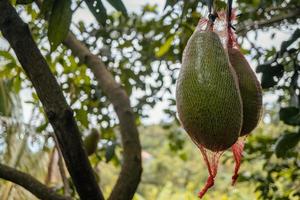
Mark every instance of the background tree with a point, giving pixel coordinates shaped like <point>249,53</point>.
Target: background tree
<point>111,72</point>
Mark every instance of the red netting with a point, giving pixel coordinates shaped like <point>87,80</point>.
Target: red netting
<point>212,162</point>
<point>225,32</point>
<point>237,150</point>
<point>238,147</point>
<point>202,24</point>
<point>211,158</point>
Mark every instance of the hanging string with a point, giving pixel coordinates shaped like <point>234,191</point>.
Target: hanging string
<point>209,5</point>
<point>230,33</point>
<point>229,13</point>
<point>211,16</point>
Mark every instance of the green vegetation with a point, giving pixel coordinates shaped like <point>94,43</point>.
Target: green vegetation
<point>180,173</point>
<point>112,71</point>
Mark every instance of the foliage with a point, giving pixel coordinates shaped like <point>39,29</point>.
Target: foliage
<point>59,22</point>
<point>143,52</point>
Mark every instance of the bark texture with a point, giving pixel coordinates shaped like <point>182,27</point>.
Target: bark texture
<point>29,183</point>
<point>58,111</point>
<point>130,174</point>
<point>131,170</point>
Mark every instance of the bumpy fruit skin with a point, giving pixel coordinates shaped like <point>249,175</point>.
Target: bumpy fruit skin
<point>250,89</point>
<point>208,98</point>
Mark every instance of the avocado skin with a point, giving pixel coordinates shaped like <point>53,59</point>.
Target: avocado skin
<point>208,99</point>
<point>250,89</point>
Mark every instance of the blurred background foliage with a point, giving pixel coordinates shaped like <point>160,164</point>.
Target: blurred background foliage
<point>143,51</point>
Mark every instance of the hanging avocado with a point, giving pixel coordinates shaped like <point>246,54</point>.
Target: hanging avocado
<point>250,89</point>
<point>207,94</point>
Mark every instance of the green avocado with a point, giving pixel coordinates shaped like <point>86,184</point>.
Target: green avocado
<point>250,89</point>
<point>208,99</point>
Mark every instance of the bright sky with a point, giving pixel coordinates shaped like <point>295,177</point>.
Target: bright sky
<point>156,114</point>
<point>131,5</point>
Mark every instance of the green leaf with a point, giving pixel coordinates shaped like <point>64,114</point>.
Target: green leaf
<point>59,22</point>
<point>13,2</point>
<point>47,8</point>
<point>267,81</point>
<point>5,100</point>
<point>91,142</point>
<point>24,2</point>
<point>119,6</point>
<point>220,5</point>
<point>17,84</point>
<point>82,116</point>
<point>290,116</point>
<point>285,143</point>
<point>110,152</point>
<point>7,55</point>
<point>165,47</point>
<point>98,10</point>
<point>41,128</point>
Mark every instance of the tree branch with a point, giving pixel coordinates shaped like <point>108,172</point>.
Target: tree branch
<point>131,171</point>
<point>58,112</point>
<point>29,183</point>
<point>268,22</point>
<point>130,174</point>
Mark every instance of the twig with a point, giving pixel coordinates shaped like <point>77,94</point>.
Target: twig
<point>50,167</point>
<point>78,6</point>
<point>59,113</point>
<point>269,22</point>
<point>61,167</point>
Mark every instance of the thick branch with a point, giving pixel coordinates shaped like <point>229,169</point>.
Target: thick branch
<point>129,177</point>
<point>58,112</point>
<point>268,22</point>
<point>29,183</point>
<point>131,171</point>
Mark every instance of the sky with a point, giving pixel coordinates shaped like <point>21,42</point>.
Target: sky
<point>131,6</point>
<point>156,114</point>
